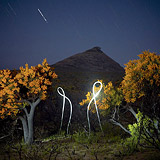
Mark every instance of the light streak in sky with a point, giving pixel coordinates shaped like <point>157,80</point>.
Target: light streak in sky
<point>94,99</point>
<point>12,9</point>
<point>42,15</point>
<point>64,97</point>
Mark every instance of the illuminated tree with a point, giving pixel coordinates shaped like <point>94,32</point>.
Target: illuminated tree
<point>142,83</point>
<point>109,96</point>
<point>109,99</point>
<point>140,86</point>
<point>21,92</point>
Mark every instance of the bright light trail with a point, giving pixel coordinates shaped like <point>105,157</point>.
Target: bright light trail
<point>94,99</point>
<point>64,97</point>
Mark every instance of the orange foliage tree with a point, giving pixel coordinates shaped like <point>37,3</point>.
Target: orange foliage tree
<point>22,91</point>
<point>140,85</point>
<point>142,82</point>
<point>109,96</point>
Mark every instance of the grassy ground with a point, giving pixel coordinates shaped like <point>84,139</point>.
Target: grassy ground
<point>76,147</point>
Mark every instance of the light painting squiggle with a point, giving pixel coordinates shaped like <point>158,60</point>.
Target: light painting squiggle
<point>64,97</point>
<point>94,98</point>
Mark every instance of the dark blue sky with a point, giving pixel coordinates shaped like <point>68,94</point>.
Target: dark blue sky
<point>122,28</point>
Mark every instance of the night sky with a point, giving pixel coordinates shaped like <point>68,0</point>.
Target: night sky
<point>31,30</point>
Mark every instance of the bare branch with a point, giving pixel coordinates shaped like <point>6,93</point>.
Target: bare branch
<point>114,114</point>
<point>133,112</point>
<point>27,102</point>
<point>26,112</point>
<point>5,136</point>
<point>37,102</point>
<point>21,118</point>
<point>118,124</point>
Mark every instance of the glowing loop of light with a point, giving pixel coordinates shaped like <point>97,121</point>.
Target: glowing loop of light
<point>64,97</point>
<point>94,98</point>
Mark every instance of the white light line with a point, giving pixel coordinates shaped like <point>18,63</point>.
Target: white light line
<point>64,97</point>
<point>42,15</point>
<point>94,98</point>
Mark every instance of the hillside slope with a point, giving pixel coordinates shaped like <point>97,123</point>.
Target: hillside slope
<point>76,76</point>
<point>91,60</point>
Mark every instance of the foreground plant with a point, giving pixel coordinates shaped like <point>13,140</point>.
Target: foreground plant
<point>21,91</point>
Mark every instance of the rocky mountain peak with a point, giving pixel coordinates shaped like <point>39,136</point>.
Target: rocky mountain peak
<point>95,49</point>
<point>92,60</point>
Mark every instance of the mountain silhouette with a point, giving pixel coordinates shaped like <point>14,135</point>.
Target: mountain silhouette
<point>77,73</point>
<point>92,60</point>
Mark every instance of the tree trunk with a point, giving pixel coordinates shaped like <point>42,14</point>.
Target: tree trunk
<point>30,129</point>
<point>25,128</point>
<point>30,121</point>
<point>27,122</point>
